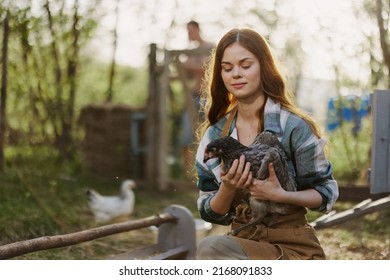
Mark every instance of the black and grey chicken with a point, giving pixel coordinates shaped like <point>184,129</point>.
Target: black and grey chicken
<point>265,149</point>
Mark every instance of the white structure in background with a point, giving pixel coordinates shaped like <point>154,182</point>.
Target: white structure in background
<point>313,96</point>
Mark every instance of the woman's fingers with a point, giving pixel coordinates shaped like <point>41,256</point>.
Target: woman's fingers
<point>239,173</point>
<point>232,171</point>
<point>271,170</point>
<point>240,167</point>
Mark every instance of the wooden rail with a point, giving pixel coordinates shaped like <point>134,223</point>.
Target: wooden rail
<point>365,207</point>
<point>176,237</point>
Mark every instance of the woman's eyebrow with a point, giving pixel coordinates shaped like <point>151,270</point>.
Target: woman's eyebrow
<point>240,61</point>
<point>225,63</point>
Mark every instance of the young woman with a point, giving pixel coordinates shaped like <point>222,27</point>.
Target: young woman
<point>245,95</point>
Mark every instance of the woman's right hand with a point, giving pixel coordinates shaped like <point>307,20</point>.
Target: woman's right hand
<point>238,176</point>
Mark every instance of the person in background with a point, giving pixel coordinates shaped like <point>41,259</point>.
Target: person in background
<point>194,67</point>
<point>246,94</point>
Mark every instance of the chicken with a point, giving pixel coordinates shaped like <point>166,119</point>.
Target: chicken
<point>106,208</point>
<point>265,149</point>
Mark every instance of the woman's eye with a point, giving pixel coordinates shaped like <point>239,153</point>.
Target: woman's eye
<point>246,66</point>
<point>227,69</point>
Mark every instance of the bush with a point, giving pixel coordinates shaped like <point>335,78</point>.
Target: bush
<point>350,153</point>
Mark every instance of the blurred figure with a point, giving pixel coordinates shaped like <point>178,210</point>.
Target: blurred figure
<point>195,71</point>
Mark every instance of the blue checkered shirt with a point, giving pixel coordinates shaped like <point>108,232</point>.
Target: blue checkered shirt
<point>305,152</point>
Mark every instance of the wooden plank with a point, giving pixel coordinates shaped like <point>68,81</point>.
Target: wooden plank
<point>380,166</point>
<point>153,252</point>
<point>139,253</point>
<point>173,254</point>
<point>365,207</point>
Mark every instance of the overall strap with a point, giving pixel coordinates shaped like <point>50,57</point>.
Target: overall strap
<point>228,124</point>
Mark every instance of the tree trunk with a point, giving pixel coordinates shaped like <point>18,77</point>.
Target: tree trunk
<point>65,138</point>
<point>3,98</point>
<point>111,76</point>
<point>64,107</point>
<point>58,106</point>
<point>383,33</point>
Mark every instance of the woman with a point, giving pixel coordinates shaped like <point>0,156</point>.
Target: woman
<point>246,95</point>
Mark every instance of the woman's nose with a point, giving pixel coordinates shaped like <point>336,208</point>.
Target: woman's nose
<point>237,73</point>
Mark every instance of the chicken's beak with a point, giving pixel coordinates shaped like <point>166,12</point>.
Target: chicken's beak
<point>208,155</point>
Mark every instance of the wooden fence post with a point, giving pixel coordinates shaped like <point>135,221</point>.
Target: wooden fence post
<point>156,165</point>
<point>380,153</point>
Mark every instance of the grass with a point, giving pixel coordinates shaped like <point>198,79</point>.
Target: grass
<point>365,238</point>
<point>350,153</point>
<point>41,196</point>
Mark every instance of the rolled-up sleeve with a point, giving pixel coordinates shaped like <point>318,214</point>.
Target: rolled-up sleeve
<point>207,214</point>
<point>208,187</point>
<point>208,179</point>
<point>313,170</point>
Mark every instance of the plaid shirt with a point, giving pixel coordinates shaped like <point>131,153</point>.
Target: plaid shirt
<point>305,152</point>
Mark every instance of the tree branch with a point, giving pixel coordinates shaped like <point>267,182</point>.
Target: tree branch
<point>49,242</point>
<point>383,33</point>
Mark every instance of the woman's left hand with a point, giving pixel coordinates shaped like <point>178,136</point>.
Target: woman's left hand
<point>268,189</point>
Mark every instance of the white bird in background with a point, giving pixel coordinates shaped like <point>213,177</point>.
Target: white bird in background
<point>106,208</point>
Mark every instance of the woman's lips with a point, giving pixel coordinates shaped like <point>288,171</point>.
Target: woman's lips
<point>238,85</point>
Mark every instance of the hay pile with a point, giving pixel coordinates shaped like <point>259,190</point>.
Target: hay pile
<point>106,146</point>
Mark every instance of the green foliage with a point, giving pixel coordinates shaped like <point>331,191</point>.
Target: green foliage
<point>130,85</point>
<point>350,153</point>
<point>22,217</point>
<point>43,63</point>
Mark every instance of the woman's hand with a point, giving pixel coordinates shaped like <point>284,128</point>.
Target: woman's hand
<point>268,189</point>
<point>238,176</point>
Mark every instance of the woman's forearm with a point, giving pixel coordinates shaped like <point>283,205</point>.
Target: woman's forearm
<point>222,200</point>
<point>309,198</point>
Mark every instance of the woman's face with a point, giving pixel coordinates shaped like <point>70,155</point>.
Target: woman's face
<point>241,72</point>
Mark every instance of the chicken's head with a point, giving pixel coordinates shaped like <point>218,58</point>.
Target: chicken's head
<point>220,148</point>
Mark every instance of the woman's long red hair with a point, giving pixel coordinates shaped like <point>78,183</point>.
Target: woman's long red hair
<point>219,101</point>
